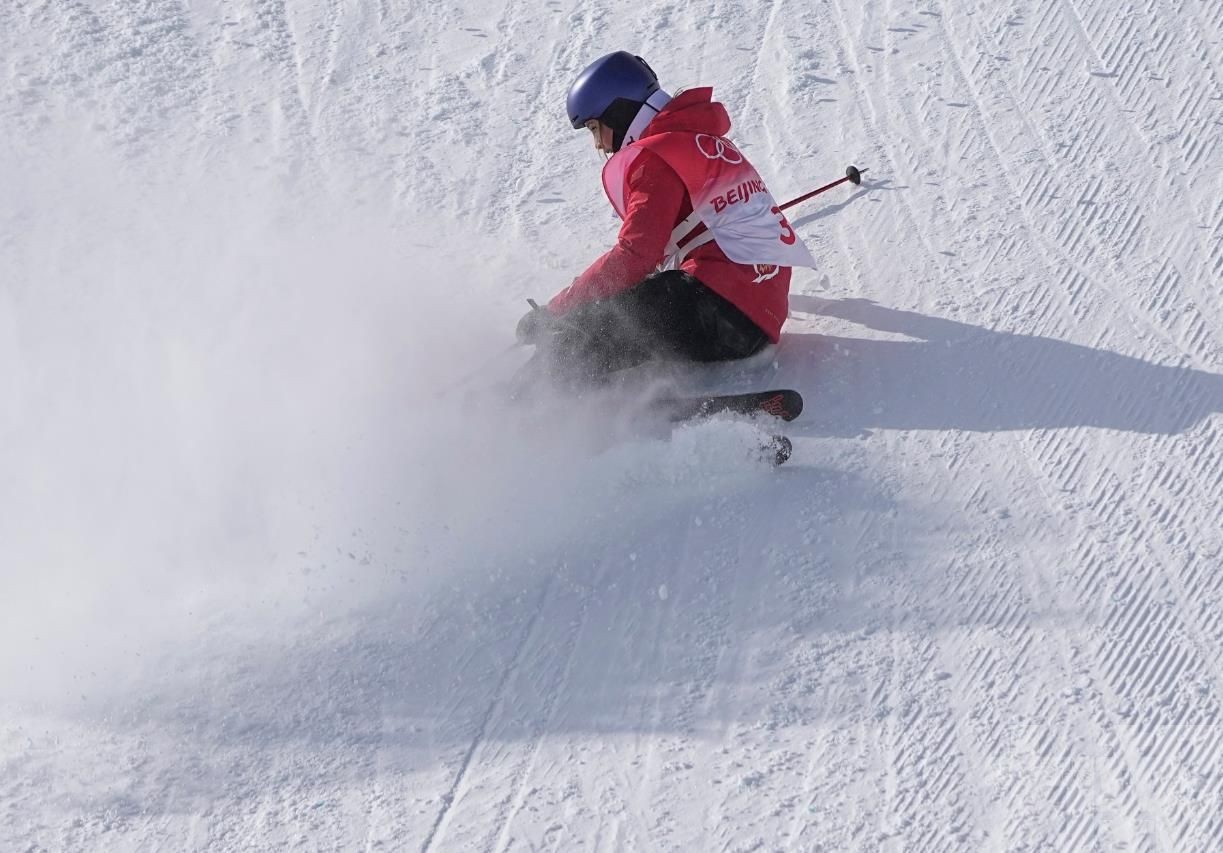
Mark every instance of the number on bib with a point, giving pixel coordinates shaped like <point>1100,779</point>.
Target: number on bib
<point>787,233</point>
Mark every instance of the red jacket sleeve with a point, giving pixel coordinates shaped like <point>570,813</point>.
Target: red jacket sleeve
<point>654,200</point>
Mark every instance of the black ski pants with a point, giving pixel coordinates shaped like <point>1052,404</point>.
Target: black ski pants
<point>668,316</point>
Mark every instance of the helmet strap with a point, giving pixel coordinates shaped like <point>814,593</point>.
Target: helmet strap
<point>652,107</point>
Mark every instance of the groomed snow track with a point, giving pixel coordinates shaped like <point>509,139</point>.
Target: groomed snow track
<point>981,608</point>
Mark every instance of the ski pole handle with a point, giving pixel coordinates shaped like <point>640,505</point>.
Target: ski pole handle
<point>853,174</point>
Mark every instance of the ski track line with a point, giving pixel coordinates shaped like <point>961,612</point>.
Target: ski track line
<point>805,59</point>
<point>1121,235</point>
<point>1105,730</point>
<point>492,74</point>
<point>641,819</point>
<point>707,613</point>
<point>300,62</point>
<point>1126,228</point>
<point>527,194</point>
<point>924,786</point>
<point>724,665</point>
<point>819,761</point>
<point>706,619</point>
<point>274,37</point>
<point>1071,231</point>
<point>947,731</point>
<point>331,70</point>
<point>766,46</point>
<point>918,129</point>
<point>449,798</point>
<point>1075,838</point>
<point>1080,26</point>
<point>930,802</point>
<point>496,829</point>
<point>447,111</point>
<point>1165,664</point>
<point>999,604</point>
<point>650,710</point>
<point>785,151</point>
<point>517,796</point>
<point>867,109</point>
<point>1036,238</point>
<point>689,640</point>
<point>539,180</point>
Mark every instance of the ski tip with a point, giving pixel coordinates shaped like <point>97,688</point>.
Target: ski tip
<point>794,407</point>
<point>785,404</point>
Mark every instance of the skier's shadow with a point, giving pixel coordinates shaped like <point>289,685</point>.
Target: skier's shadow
<point>954,376</point>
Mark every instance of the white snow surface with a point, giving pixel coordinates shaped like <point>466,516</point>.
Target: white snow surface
<point>263,588</point>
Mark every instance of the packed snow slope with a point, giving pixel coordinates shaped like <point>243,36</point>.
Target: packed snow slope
<point>263,587</point>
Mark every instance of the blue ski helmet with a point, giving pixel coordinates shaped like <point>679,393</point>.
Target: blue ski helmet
<point>612,89</point>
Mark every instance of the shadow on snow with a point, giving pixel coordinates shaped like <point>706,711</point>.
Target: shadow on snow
<point>954,376</point>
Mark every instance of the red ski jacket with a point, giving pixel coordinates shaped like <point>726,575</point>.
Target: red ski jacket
<point>656,201</point>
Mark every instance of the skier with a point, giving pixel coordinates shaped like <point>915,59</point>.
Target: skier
<point>701,268</point>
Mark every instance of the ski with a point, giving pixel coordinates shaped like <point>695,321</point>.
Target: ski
<point>784,403</point>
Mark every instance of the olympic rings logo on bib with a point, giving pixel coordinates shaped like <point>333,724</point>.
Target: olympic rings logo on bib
<point>716,148</point>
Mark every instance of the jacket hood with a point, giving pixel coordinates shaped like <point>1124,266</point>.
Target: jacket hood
<point>693,111</point>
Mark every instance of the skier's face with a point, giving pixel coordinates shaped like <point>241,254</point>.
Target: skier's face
<point>602,136</point>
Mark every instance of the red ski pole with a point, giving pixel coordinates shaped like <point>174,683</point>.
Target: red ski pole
<point>853,174</point>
